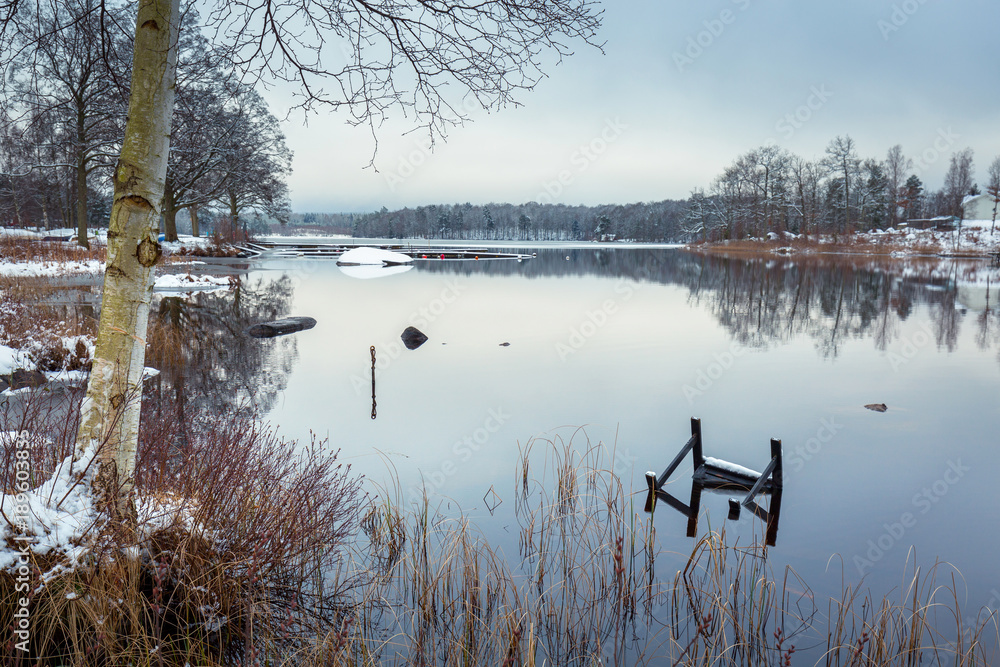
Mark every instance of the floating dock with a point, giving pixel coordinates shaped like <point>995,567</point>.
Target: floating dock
<point>335,250</point>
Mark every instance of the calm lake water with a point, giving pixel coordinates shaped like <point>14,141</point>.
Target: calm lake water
<point>630,343</point>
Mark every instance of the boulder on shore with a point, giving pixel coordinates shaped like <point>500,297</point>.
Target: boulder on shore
<point>413,338</point>
<point>280,327</point>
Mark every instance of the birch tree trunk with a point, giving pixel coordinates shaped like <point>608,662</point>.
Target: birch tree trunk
<point>109,418</point>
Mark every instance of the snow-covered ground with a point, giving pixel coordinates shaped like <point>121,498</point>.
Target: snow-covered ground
<point>52,269</point>
<point>25,352</point>
<point>976,237</point>
<point>188,282</point>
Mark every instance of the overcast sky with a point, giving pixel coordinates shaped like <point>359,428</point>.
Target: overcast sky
<point>682,89</point>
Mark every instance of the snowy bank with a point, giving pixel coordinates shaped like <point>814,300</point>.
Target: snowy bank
<point>187,282</point>
<point>50,269</point>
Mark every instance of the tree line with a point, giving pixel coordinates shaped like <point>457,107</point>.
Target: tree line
<point>771,190</point>
<point>654,221</point>
<point>765,190</point>
<point>65,101</point>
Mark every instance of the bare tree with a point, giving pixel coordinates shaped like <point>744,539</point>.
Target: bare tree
<point>842,159</point>
<point>993,189</point>
<point>958,181</point>
<point>253,162</point>
<point>68,78</point>
<point>807,176</point>
<point>897,167</point>
<point>409,53</point>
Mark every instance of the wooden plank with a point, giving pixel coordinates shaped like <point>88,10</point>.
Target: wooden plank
<point>673,502</point>
<point>762,480</point>
<point>713,477</point>
<point>662,479</point>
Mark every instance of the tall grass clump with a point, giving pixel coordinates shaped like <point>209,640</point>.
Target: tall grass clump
<point>229,562</point>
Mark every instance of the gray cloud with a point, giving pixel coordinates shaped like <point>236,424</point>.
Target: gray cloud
<point>895,72</point>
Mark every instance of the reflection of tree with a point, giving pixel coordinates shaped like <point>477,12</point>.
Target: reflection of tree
<point>829,300</point>
<point>988,322</point>
<point>206,362</point>
<point>766,299</point>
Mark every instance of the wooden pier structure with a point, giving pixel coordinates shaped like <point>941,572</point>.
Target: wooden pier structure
<point>335,250</point>
<point>721,476</point>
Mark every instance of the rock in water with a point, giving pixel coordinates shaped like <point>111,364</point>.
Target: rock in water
<point>280,327</point>
<point>413,338</point>
<point>877,407</point>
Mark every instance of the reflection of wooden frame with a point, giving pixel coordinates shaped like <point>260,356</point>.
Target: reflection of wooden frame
<point>721,476</point>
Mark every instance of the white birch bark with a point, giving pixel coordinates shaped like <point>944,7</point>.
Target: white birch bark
<point>109,417</point>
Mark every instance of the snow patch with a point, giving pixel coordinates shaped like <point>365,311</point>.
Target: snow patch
<point>730,467</point>
<point>187,282</point>
<point>372,256</point>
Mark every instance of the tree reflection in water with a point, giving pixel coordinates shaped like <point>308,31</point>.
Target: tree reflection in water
<point>766,299</point>
<point>206,362</point>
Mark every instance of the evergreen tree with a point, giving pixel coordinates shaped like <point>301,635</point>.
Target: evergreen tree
<point>488,219</point>
<point>912,198</point>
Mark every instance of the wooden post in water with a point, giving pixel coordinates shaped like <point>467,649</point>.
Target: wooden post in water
<point>776,481</point>
<point>698,455</point>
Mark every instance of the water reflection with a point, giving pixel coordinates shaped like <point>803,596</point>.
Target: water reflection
<point>206,360</point>
<point>764,300</point>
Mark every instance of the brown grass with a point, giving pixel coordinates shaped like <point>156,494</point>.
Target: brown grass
<point>845,245</point>
<point>17,249</point>
<point>230,562</point>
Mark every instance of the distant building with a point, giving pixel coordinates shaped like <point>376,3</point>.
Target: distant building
<point>942,223</point>
<point>978,207</point>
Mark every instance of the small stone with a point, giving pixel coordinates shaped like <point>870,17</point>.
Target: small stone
<point>877,407</point>
<point>413,338</point>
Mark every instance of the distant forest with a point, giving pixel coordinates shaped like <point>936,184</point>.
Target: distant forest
<point>765,190</point>
<point>660,221</point>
